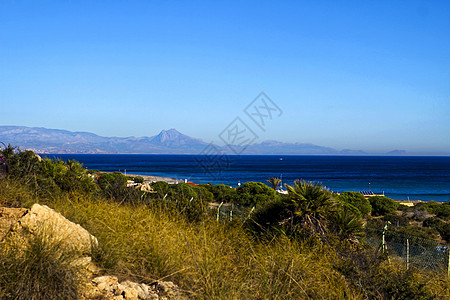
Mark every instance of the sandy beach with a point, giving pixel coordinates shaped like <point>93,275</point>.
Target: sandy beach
<point>152,178</point>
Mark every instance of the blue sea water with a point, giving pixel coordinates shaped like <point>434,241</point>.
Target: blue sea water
<point>402,178</point>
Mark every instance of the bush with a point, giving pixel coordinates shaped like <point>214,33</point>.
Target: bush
<point>113,186</point>
<point>382,205</point>
<point>222,192</point>
<point>433,222</point>
<point>190,201</point>
<point>161,188</point>
<point>267,219</point>
<point>23,165</point>
<point>444,231</point>
<point>138,179</point>
<point>396,220</point>
<point>443,211</point>
<point>254,193</point>
<point>357,200</point>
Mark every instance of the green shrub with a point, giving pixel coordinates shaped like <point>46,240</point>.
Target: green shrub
<point>189,200</point>
<point>113,186</point>
<point>444,231</point>
<point>138,179</point>
<point>23,165</point>
<point>433,222</point>
<point>382,205</point>
<point>443,211</point>
<point>161,188</point>
<point>267,219</point>
<point>357,200</point>
<point>222,192</point>
<point>254,193</point>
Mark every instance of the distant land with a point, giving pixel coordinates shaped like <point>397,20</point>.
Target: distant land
<point>56,141</point>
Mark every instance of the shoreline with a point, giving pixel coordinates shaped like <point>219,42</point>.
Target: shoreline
<point>149,178</point>
<point>170,180</point>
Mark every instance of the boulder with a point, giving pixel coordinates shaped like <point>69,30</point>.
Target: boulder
<point>41,218</point>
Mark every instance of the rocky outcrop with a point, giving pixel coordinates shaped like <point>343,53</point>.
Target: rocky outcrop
<point>43,219</point>
<point>109,287</point>
<point>8,217</point>
<point>18,225</point>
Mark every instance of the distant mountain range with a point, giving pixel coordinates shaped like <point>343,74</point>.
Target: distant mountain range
<point>53,141</point>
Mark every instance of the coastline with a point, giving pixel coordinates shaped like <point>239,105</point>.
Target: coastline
<point>149,178</point>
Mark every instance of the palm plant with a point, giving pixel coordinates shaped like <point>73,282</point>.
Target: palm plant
<point>346,225</point>
<point>274,182</point>
<point>311,202</point>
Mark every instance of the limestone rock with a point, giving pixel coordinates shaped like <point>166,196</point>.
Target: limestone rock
<point>9,216</point>
<point>109,287</point>
<point>40,217</point>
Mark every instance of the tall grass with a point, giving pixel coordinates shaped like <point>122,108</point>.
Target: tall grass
<point>38,269</point>
<point>208,259</point>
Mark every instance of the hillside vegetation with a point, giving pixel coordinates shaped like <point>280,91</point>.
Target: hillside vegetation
<point>309,243</point>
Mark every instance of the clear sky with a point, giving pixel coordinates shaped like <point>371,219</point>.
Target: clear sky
<point>370,75</point>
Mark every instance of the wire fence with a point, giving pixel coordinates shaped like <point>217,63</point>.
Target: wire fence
<point>412,251</point>
<point>230,212</point>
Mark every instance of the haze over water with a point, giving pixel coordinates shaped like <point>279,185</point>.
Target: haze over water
<point>416,178</point>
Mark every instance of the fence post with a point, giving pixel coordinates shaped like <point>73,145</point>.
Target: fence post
<point>218,211</point>
<point>448,267</point>
<point>407,254</point>
<point>231,212</point>
<point>383,241</point>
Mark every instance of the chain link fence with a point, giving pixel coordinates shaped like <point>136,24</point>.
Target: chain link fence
<point>412,251</point>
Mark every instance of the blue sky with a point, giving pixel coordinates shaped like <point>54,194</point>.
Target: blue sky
<point>370,75</point>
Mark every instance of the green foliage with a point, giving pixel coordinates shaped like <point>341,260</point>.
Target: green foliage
<point>357,200</point>
<point>430,206</point>
<point>345,224</point>
<point>39,271</point>
<point>222,192</point>
<point>113,186</point>
<point>382,205</point>
<point>138,179</point>
<point>272,218</point>
<point>69,176</point>
<point>397,220</point>
<point>274,182</point>
<point>444,231</point>
<point>416,231</point>
<point>23,164</point>
<point>190,201</point>
<point>254,193</point>
<point>433,222</point>
<point>443,211</point>
<point>161,188</point>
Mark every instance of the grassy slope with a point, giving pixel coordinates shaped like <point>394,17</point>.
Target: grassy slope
<point>208,260</point>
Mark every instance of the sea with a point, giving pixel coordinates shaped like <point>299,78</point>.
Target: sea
<point>398,177</point>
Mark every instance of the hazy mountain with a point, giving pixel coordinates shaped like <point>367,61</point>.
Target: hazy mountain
<point>43,140</point>
<point>271,147</point>
<point>396,152</point>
